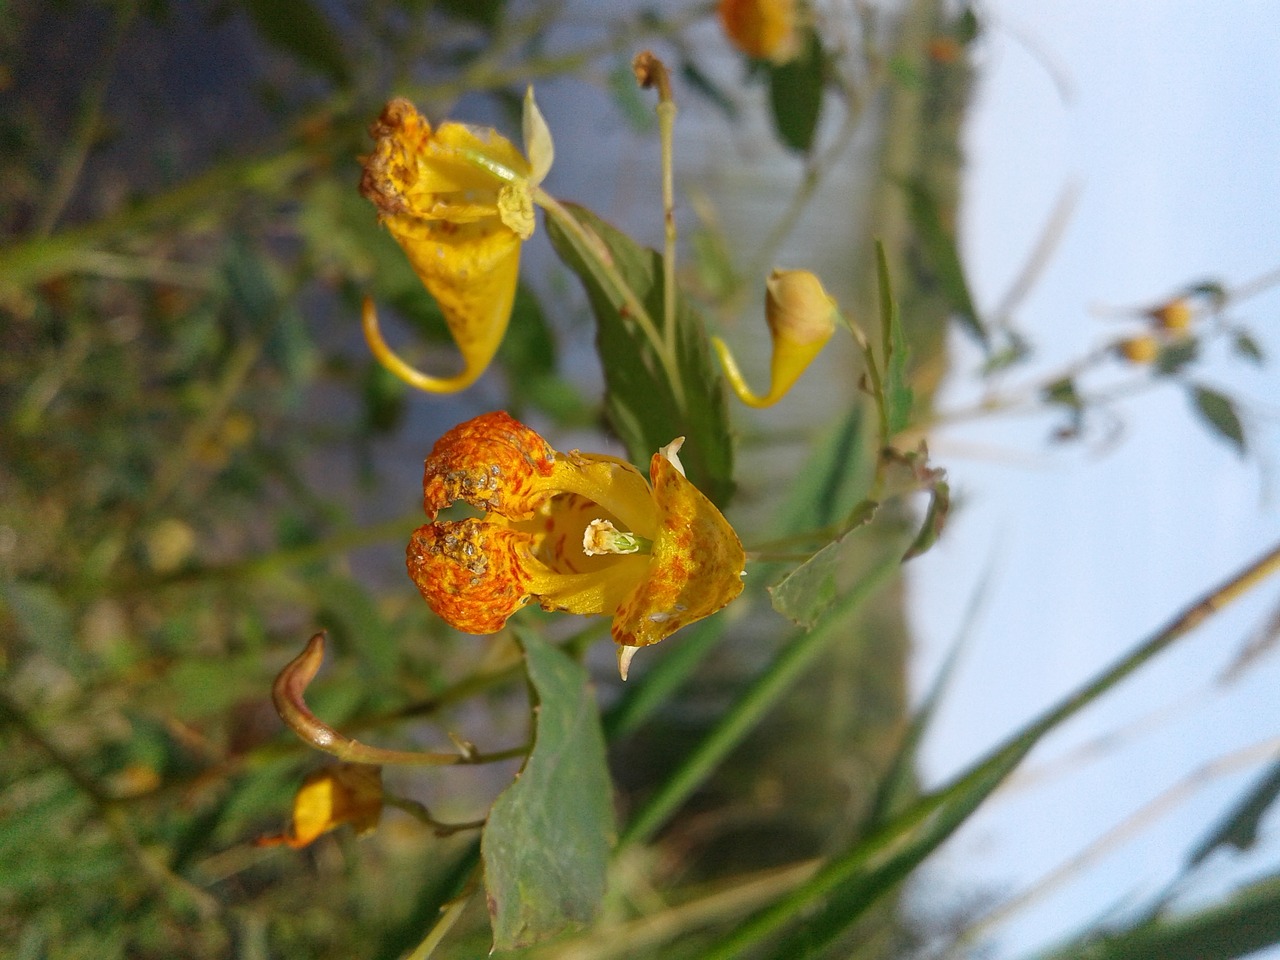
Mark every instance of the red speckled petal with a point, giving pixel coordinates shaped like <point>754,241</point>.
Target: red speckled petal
<point>493,462</point>
<point>472,573</point>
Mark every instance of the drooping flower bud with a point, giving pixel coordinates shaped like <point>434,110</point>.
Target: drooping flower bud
<point>801,317</point>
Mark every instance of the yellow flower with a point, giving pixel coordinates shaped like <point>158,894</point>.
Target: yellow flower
<point>578,532</point>
<point>801,318</point>
<point>1174,317</point>
<point>329,797</point>
<point>1139,350</point>
<point>764,29</point>
<point>459,201</point>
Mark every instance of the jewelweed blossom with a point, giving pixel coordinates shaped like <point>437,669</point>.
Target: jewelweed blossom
<point>802,318</point>
<point>578,532</point>
<point>764,29</point>
<point>459,201</point>
<point>328,798</point>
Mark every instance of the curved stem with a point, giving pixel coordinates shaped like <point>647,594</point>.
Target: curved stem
<point>287,695</point>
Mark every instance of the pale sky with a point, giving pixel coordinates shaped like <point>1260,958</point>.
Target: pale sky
<point>1167,115</point>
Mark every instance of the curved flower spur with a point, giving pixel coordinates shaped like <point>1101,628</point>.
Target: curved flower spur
<point>578,532</point>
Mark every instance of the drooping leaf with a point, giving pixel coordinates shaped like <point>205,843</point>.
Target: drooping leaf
<point>1244,922</point>
<point>298,28</point>
<point>898,396</point>
<point>641,402</point>
<point>701,83</point>
<point>546,845</point>
<point>1219,412</point>
<point>795,94</point>
<point>1175,356</point>
<point>939,243</point>
<point>806,593</point>
<point>935,518</point>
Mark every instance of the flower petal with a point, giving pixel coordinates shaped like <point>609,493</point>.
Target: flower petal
<point>538,145</point>
<point>493,462</point>
<point>695,567</point>
<point>472,573</point>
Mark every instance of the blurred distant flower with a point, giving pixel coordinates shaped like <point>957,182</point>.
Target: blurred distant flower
<point>459,201</point>
<point>801,318</point>
<point>764,29</point>
<point>1140,350</point>
<point>582,533</point>
<point>329,797</point>
<point>1173,317</point>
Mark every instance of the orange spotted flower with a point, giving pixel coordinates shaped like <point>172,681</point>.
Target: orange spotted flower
<point>459,201</point>
<point>328,798</point>
<point>578,532</point>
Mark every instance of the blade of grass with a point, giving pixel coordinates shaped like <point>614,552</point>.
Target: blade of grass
<point>787,668</point>
<point>851,882</point>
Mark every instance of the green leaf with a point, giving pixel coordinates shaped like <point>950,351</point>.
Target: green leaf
<point>701,83</point>
<point>1177,355</point>
<point>298,28</point>
<point>546,845</point>
<point>795,94</point>
<point>640,401</point>
<point>806,593</point>
<point>940,249</point>
<point>41,616</point>
<point>1245,346</point>
<point>898,396</point>
<point>1219,412</point>
<point>1239,828</point>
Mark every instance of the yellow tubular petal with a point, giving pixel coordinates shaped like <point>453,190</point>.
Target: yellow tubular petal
<point>472,270</point>
<point>694,569</point>
<point>409,374</point>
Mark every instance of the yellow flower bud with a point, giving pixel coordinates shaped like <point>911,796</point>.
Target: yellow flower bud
<point>802,318</point>
<point>329,797</point>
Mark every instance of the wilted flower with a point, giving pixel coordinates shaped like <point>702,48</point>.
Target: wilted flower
<point>459,201</point>
<point>801,318</point>
<point>578,532</point>
<point>764,29</point>
<point>329,797</point>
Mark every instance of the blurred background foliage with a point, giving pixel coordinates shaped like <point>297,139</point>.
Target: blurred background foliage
<point>201,466</point>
